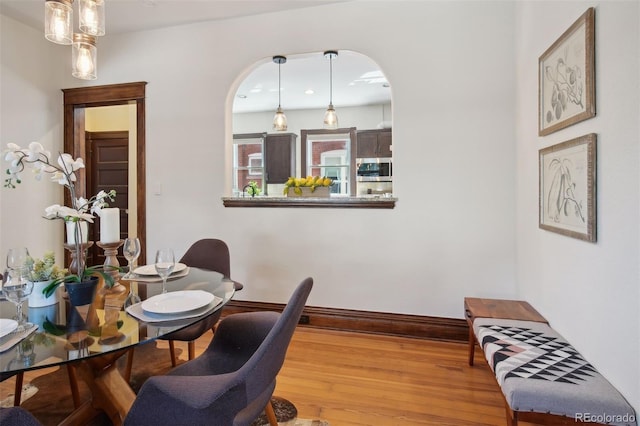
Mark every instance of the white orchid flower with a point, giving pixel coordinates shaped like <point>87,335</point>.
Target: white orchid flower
<point>35,151</point>
<point>13,157</point>
<point>40,168</point>
<point>59,177</point>
<point>82,204</point>
<point>57,211</point>
<point>13,147</point>
<point>51,212</point>
<point>68,164</point>
<point>99,202</point>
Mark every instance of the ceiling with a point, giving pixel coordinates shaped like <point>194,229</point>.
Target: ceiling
<point>357,80</point>
<point>125,16</point>
<point>351,86</point>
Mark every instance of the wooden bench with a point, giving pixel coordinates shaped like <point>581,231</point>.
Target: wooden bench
<point>543,379</point>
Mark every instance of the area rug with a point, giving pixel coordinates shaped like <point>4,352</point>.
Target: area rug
<point>48,397</point>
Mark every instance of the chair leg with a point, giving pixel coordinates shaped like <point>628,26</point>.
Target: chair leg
<point>172,352</point>
<point>192,349</point>
<point>18,391</point>
<point>271,415</point>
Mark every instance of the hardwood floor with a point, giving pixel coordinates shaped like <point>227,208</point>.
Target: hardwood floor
<point>365,379</point>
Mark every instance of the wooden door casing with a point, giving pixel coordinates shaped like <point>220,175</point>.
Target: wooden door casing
<point>75,102</point>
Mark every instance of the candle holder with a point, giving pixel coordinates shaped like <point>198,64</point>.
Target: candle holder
<point>73,267</point>
<point>111,264</point>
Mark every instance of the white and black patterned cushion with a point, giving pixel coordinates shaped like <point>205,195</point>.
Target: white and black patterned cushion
<point>538,370</point>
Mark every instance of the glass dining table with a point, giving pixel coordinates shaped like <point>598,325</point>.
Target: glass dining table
<point>90,339</point>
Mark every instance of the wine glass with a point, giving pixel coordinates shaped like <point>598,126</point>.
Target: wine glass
<point>131,251</point>
<point>17,257</point>
<point>165,262</point>
<point>17,289</point>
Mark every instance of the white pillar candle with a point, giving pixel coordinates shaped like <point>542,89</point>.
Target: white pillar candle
<point>71,232</point>
<point>110,225</point>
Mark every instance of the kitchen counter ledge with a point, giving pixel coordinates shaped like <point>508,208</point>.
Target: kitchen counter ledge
<point>331,202</point>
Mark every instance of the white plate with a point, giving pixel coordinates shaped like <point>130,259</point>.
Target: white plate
<point>137,311</point>
<point>7,326</point>
<point>151,269</point>
<point>176,302</point>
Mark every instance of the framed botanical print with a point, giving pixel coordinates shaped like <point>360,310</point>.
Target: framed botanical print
<point>567,194</point>
<point>566,75</point>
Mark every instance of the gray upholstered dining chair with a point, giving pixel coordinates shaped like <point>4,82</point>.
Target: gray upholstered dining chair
<point>232,382</point>
<point>211,254</point>
<point>17,416</point>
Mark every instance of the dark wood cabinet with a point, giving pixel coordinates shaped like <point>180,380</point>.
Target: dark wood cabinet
<point>373,143</point>
<point>279,157</point>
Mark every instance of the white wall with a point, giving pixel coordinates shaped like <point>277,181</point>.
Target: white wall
<point>452,231</point>
<point>30,110</point>
<point>589,292</point>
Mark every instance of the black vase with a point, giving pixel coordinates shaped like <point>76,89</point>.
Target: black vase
<point>82,293</point>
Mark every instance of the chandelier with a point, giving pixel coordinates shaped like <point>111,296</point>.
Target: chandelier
<point>58,28</point>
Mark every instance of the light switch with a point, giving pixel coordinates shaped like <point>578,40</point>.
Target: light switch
<point>157,189</point>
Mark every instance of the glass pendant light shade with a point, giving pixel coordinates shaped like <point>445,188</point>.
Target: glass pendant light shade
<point>330,117</point>
<point>92,17</point>
<point>279,120</point>
<point>58,21</point>
<point>84,58</point>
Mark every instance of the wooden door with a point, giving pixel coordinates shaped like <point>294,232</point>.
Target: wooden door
<point>108,168</point>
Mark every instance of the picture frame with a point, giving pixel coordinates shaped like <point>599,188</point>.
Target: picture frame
<point>566,77</point>
<point>567,188</point>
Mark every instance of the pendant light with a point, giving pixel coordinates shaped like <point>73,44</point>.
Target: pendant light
<point>84,57</point>
<point>58,21</point>
<point>330,117</point>
<point>279,120</point>
<point>92,17</point>
<point>58,28</point>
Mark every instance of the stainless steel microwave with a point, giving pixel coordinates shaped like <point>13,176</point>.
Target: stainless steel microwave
<point>374,169</point>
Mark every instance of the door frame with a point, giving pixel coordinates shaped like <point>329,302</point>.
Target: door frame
<point>75,102</point>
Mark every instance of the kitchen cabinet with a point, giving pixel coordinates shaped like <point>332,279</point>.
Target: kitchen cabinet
<point>373,143</point>
<point>279,157</point>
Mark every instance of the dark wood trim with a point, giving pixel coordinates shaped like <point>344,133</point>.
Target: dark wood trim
<point>425,327</point>
<point>337,202</point>
<point>112,94</point>
<point>75,102</point>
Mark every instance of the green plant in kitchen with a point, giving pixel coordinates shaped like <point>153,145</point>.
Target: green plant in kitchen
<point>311,182</point>
<point>253,189</point>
